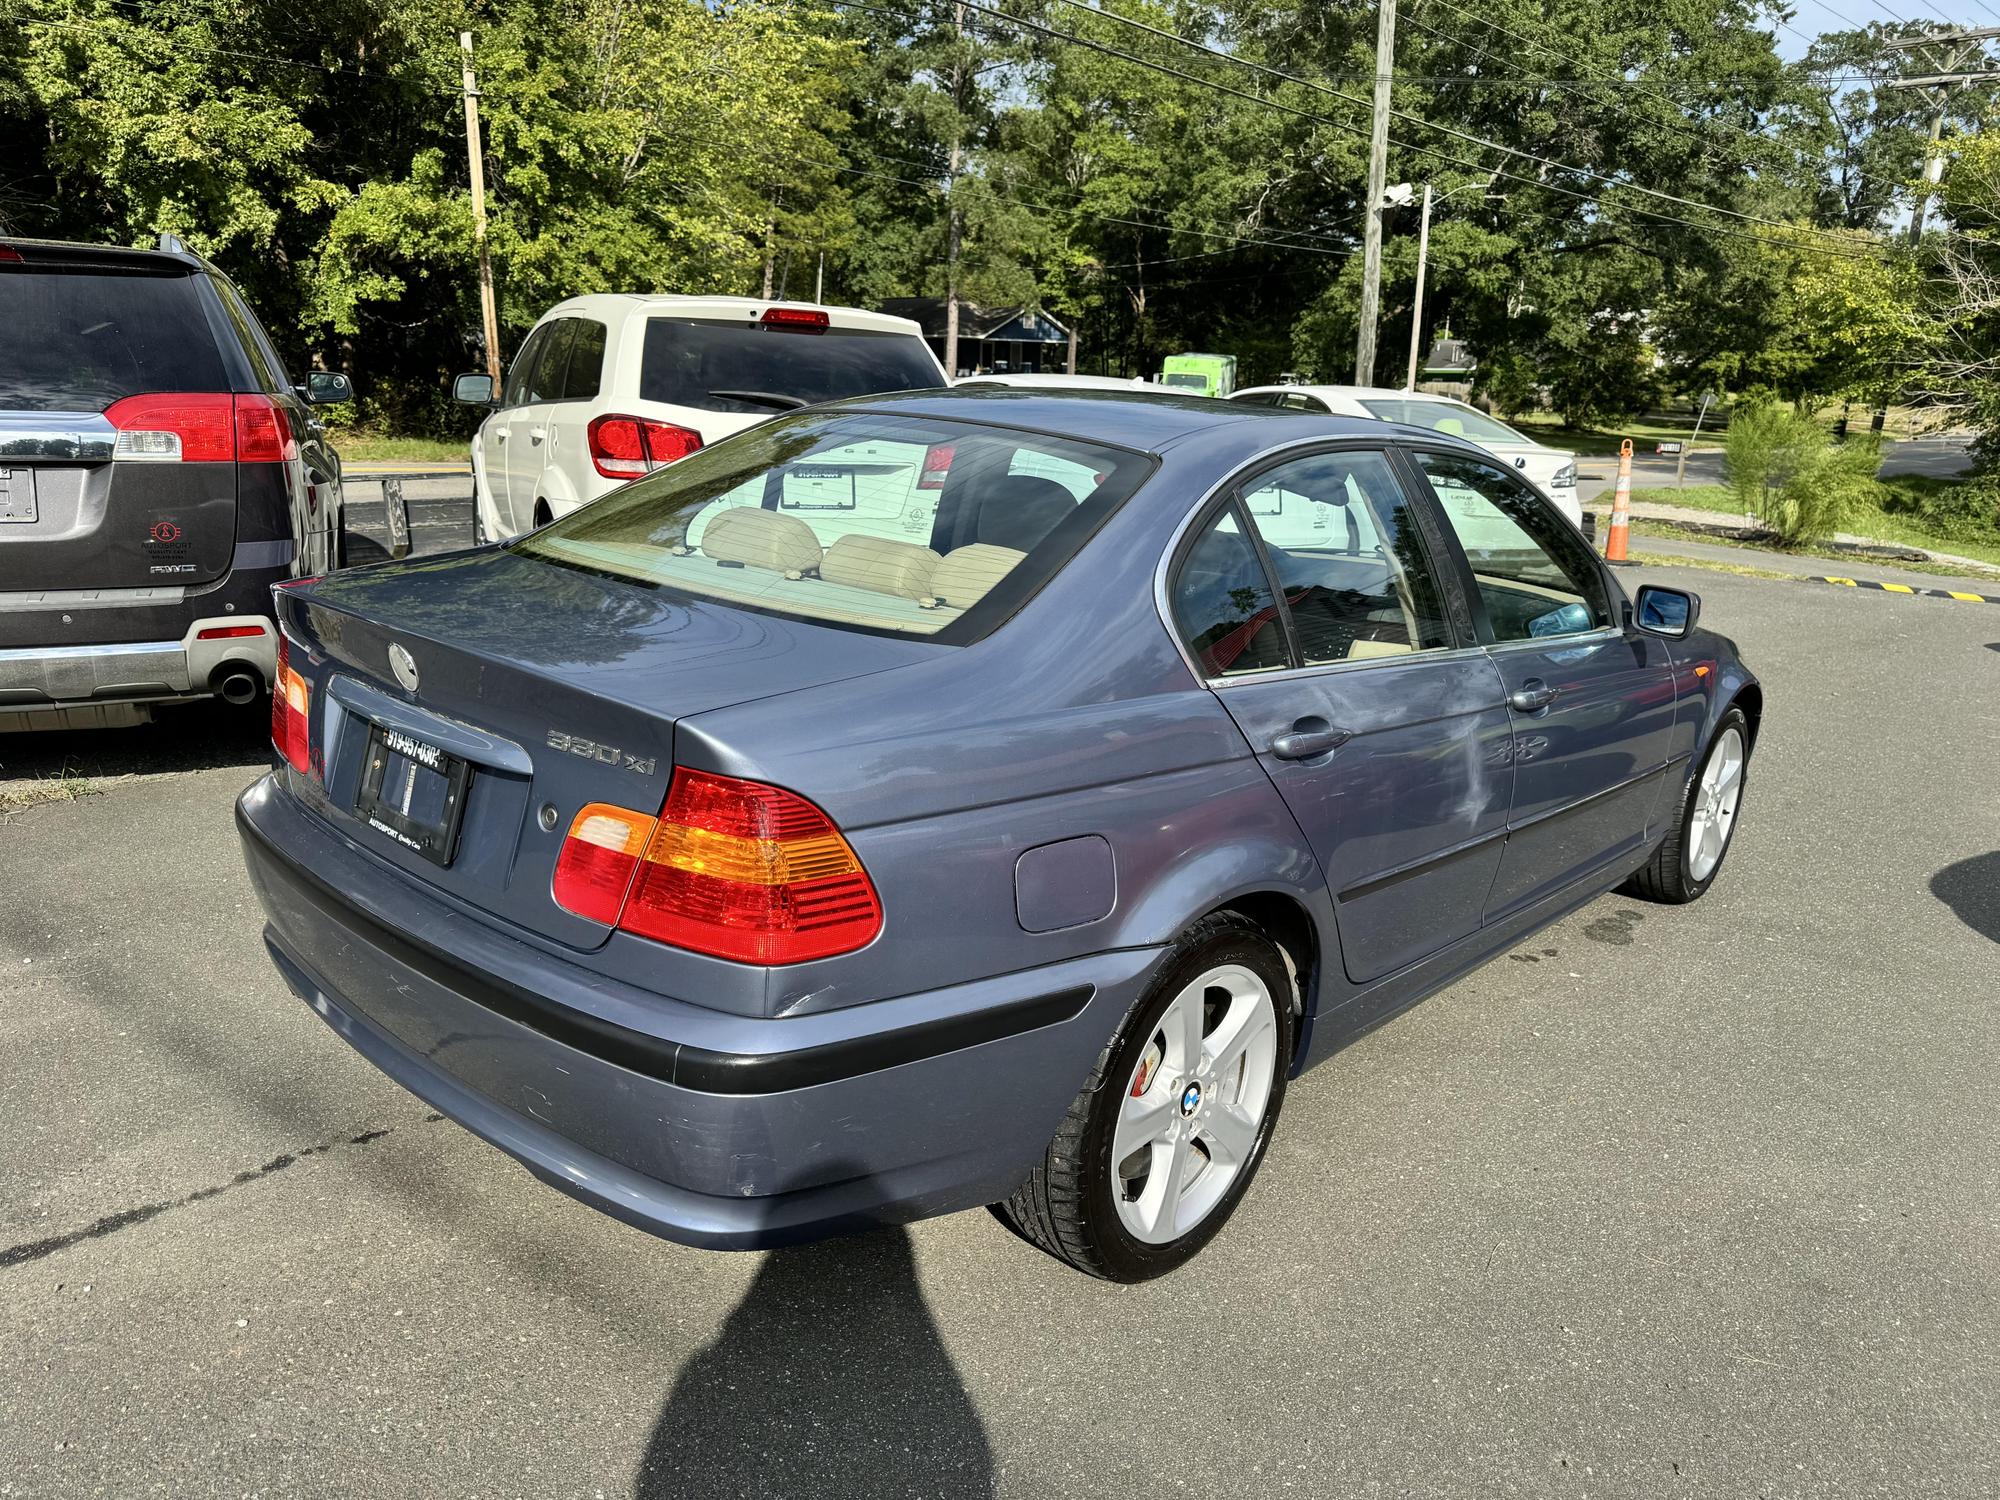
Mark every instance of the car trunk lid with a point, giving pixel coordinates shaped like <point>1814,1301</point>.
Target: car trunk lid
<point>555,688</point>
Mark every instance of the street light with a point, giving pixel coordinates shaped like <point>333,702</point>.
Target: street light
<point>1423,256</point>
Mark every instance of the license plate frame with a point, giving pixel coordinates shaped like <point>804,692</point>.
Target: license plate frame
<point>17,496</point>
<point>389,782</point>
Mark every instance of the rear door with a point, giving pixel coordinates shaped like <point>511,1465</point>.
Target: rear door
<point>572,402</point>
<point>1592,700</point>
<point>94,342</point>
<point>1377,719</point>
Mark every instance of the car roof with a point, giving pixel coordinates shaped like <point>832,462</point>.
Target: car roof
<point>75,253</point>
<point>1026,381</point>
<point>748,309</point>
<point>1150,421</point>
<point>1351,392</point>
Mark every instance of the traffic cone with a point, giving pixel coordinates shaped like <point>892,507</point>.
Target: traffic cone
<point>1621,507</point>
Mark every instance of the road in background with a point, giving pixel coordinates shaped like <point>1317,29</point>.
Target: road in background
<point>1937,457</point>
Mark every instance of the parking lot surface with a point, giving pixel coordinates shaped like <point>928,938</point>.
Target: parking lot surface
<point>1696,1201</point>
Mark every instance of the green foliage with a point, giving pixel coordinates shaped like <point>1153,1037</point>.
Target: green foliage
<point>1785,469</point>
<point>1961,511</point>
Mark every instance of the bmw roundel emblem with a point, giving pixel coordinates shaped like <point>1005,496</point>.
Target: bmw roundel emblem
<point>1190,1099</point>
<point>404,666</point>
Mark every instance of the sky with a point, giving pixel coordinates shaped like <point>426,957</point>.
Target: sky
<point>1816,16</point>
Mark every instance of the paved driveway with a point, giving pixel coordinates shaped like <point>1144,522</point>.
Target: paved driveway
<point>1669,1202</point>
<point>1939,457</point>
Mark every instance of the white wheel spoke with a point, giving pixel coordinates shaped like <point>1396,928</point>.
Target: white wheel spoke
<point>1245,1022</point>
<point>1231,1134</point>
<point>1187,1164</point>
<point>1143,1121</point>
<point>1183,1029</point>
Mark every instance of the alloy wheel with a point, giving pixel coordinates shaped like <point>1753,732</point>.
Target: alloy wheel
<point>1713,817</point>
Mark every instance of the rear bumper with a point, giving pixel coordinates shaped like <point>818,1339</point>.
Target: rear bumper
<point>58,676</point>
<point>701,1126</point>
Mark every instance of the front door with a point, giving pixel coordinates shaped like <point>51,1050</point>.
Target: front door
<point>521,427</point>
<point>1592,700</point>
<point>1312,605</point>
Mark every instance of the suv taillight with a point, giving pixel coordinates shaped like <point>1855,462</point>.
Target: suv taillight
<point>198,427</point>
<point>937,465</point>
<point>731,868</point>
<point>626,447</point>
<point>291,712</point>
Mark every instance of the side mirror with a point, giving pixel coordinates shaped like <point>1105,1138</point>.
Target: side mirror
<point>328,388</point>
<point>474,390</point>
<point>1668,612</point>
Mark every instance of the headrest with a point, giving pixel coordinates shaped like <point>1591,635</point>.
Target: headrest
<point>886,567</point>
<point>1019,510</point>
<point>761,539</point>
<point>966,574</point>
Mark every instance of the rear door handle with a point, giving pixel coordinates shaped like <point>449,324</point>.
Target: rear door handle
<point>535,435</point>
<point>1309,737</point>
<point>1533,695</point>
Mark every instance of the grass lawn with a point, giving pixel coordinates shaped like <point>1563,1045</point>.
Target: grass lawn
<point>372,448</point>
<point>1592,443</point>
<point>1871,528</point>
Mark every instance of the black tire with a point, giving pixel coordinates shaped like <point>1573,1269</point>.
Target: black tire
<point>543,515</point>
<point>1066,1205</point>
<point>1668,877</point>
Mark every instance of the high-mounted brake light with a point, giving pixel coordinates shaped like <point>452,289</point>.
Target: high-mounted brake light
<point>201,427</point>
<point>731,868</point>
<point>937,465</point>
<point>291,712</point>
<point>9,253</point>
<point>627,447</point>
<point>799,319</point>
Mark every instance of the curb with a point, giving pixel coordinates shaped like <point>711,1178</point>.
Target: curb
<point>1904,588</point>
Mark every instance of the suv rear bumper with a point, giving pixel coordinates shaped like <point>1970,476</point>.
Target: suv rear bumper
<point>52,677</point>
<point>701,1126</point>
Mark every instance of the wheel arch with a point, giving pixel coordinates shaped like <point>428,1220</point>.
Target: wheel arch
<point>1750,698</point>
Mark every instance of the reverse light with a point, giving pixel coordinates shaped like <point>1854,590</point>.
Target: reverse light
<point>798,319</point>
<point>937,465</point>
<point>731,868</point>
<point>180,428</point>
<point>627,447</point>
<point>291,712</point>
<point>600,854</point>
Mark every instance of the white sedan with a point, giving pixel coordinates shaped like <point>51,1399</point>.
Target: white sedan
<point>1550,470</point>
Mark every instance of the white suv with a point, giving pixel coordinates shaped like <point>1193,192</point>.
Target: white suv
<point>611,386</point>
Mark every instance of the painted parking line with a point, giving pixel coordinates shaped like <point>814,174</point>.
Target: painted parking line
<point>1904,588</point>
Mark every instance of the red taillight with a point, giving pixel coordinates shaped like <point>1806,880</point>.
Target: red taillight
<point>9,253</point>
<point>183,427</point>
<point>731,868</point>
<point>626,447</point>
<point>228,632</point>
<point>291,712</point>
<point>598,858</point>
<point>802,319</point>
<point>937,465</point>
<point>263,432</point>
<point>198,427</point>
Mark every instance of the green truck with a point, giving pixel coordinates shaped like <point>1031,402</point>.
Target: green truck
<point>1205,374</point>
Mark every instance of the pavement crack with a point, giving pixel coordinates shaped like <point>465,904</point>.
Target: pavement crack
<point>125,1218</point>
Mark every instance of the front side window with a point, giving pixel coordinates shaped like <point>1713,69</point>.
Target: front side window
<point>1533,572</point>
<point>906,526</point>
<point>523,370</point>
<point>1349,558</point>
<point>545,380</point>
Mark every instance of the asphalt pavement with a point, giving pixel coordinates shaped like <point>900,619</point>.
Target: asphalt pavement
<point>1668,1202</point>
<point>1939,457</point>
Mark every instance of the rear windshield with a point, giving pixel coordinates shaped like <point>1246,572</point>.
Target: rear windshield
<point>76,341</point>
<point>893,525</point>
<point>692,362</point>
<point>1444,416</point>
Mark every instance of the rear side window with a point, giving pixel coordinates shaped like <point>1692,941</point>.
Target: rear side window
<point>78,341</point>
<point>715,366</point>
<point>265,366</point>
<point>1451,417</point>
<point>586,362</point>
<point>895,525</point>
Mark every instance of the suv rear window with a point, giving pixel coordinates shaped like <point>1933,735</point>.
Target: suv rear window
<point>1443,416</point>
<point>894,525</point>
<point>688,361</point>
<point>78,341</point>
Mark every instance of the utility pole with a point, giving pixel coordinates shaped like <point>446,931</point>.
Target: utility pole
<point>1417,306</point>
<point>488,316</point>
<point>951,195</point>
<point>1378,171</point>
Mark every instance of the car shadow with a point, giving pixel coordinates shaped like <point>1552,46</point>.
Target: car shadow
<point>196,736</point>
<point>1971,888</point>
<point>828,1379</point>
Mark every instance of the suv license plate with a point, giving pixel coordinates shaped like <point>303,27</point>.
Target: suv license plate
<point>17,494</point>
<point>413,792</point>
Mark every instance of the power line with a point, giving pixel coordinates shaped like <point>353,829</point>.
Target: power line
<point>174,44</point>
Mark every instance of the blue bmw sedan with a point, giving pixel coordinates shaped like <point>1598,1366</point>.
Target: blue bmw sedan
<point>962,799</point>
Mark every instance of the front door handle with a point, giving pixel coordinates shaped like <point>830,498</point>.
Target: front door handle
<point>1309,737</point>
<point>1533,696</point>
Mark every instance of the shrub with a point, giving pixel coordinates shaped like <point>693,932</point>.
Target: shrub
<point>1786,470</point>
<point>1961,510</point>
